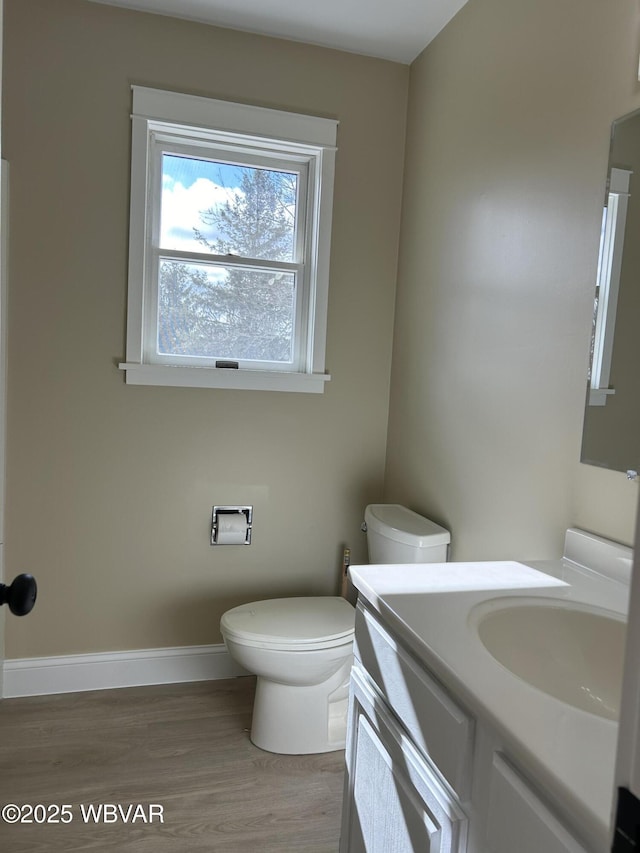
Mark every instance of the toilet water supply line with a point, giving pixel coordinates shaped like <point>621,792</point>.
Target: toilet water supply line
<point>346,562</point>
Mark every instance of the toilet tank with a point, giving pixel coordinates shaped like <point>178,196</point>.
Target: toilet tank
<point>395,534</point>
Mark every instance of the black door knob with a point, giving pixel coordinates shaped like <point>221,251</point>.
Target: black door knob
<point>20,595</point>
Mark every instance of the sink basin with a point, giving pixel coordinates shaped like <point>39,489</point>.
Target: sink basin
<point>570,651</point>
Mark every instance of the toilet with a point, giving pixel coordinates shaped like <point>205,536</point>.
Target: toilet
<point>301,648</point>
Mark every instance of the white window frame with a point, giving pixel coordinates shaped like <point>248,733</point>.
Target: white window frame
<point>161,120</point>
<point>608,285</point>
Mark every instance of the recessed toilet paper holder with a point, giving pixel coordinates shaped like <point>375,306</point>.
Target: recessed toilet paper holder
<point>218,511</point>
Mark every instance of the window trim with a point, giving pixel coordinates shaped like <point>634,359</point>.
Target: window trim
<point>156,111</point>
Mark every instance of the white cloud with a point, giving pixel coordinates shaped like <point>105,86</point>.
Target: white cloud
<point>181,208</point>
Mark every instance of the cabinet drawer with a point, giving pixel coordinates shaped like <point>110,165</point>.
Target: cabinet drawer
<point>519,820</point>
<point>437,725</point>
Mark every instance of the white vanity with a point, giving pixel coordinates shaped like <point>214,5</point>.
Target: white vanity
<point>484,700</point>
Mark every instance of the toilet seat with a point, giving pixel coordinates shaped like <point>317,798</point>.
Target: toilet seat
<point>304,623</point>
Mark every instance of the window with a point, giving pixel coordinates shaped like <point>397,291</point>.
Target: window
<point>612,234</point>
<point>229,244</point>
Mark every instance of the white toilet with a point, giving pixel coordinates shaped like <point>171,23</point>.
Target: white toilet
<point>301,649</point>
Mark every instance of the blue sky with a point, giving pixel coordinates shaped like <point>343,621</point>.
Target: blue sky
<point>186,170</point>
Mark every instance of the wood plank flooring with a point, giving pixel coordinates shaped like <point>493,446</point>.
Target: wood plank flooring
<point>183,747</point>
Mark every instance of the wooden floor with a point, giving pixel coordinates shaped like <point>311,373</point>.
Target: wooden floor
<point>183,747</point>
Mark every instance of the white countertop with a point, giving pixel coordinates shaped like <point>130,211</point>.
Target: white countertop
<point>569,751</point>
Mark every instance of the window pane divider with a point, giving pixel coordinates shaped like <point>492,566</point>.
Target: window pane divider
<point>229,261</point>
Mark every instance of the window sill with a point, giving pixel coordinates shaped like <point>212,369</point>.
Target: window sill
<point>598,396</point>
<point>208,377</point>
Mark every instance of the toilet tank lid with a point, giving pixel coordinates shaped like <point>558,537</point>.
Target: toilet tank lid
<point>403,525</point>
<point>305,619</point>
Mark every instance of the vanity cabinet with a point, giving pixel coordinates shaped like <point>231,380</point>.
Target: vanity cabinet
<point>422,773</point>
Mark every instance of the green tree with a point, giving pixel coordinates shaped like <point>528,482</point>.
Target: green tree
<point>180,287</point>
<point>257,222</point>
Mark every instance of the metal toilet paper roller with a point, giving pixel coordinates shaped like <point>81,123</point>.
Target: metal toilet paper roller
<point>231,525</point>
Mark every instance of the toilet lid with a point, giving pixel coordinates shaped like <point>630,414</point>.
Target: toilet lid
<point>305,621</point>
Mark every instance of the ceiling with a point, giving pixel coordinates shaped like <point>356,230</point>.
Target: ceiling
<point>389,29</point>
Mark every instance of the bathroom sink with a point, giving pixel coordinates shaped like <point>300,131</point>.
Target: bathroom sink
<point>570,651</point>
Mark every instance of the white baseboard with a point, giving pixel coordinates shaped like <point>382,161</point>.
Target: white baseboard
<point>74,673</point>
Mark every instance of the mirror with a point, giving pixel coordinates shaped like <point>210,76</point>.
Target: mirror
<point>611,432</point>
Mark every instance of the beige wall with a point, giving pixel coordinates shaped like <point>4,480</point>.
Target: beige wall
<point>109,486</point>
<point>507,145</point>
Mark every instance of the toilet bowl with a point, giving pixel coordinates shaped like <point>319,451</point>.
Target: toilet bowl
<point>301,650</point>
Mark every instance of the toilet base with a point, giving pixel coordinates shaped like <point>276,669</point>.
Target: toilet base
<point>300,720</point>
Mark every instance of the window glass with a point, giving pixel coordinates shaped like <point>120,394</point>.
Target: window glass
<point>213,311</point>
<point>228,208</point>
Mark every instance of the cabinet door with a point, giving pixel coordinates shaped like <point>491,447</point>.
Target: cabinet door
<point>519,821</point>
<point>394,801</point>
